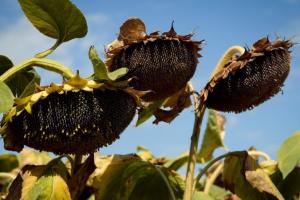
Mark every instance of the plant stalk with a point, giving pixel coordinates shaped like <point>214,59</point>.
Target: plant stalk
<point>199,112</point>
<point>211,179</point>
<point>38,62</point>
<point>77,163</point>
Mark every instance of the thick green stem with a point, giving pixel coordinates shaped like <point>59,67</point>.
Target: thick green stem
<point>227,56</point>
<point>38,62</point>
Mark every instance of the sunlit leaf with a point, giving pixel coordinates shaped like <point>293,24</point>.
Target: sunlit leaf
<point>219,193</point>
<point>201,196</point>
<point>8,162</point>
<point>144,153</point>
<point>146,113</point>
<point>129,177</point>
<point>213,137</point>
<point>178,162</point>
<point>289,154</point>
<point>7,98</point>
<point>100,69</point>
<point>261,181</point>
<point>41,182</point>
<point>60,20</point>
<point>32,157</point>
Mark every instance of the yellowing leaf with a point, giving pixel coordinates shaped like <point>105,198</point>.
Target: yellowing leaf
<point>41,182</point>
<point>234,179</point>
<point>7,98</point>
<point>213,137</point>
<point>289,154</point>
<point>261,181</point>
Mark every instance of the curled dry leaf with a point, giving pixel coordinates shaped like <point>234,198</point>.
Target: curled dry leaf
<point>177,103</point>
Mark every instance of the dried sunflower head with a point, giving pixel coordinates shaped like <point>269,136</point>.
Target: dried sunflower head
<point>77,117</point>
<point>161,63</point>
<point>251,78</point>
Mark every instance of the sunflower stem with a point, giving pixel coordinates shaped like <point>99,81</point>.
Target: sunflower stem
<point>77,163</point>
<point>47,64</point>
<point>199,112</point>
<point>48,51</point>
<point>226,57</point>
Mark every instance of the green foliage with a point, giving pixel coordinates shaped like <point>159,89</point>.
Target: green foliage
<point>146,113</point>
<point>289,154</point>
<point>60,20</point>
<point>213,136</point>
<point>100,69</point>
<point>129,177</point>
<point>8,162</point>
<point>7,98</point>
<point>23,82</point>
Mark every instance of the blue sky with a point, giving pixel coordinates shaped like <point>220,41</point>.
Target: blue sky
<point>221,23</point>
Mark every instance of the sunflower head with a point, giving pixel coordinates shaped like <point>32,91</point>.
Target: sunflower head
<point>251,78</point>
<point>77,117</point>
<point>161,63</point>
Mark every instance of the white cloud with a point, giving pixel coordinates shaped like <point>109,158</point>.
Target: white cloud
<point>20,40</point>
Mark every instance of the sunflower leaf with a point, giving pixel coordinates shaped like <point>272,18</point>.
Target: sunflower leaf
<point>60,20</point>
<point>7,98</point>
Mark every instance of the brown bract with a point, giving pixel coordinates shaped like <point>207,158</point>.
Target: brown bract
<point>160,62</point>
<point>250,79</point>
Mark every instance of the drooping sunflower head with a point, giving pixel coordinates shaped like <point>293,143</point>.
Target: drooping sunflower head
<point>161,63</point>
<point>251,78</point>
<point>77,117</point>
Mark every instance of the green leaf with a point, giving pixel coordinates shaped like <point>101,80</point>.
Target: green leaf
<point>289,154</point>
<point>100,69</point>
<point>23,82</point>
<point>261,181</point>
<point>201,196</point>
<point>41,182</point>
<point>146,113</point>
<point>8,162</point>
<point>234,179</point>
<point>290,186</point>
<point>219,193</point>
<point>178,162</point>
<point>118,73</point>
<point>7,98</point>
<point>128,177</point>
<point>60,20</point>
<point>213,137</point>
